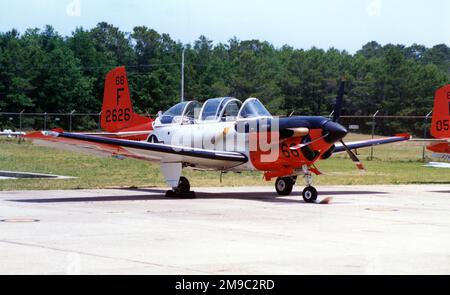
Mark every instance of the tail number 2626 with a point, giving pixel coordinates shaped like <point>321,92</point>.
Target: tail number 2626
<point>119,115</point>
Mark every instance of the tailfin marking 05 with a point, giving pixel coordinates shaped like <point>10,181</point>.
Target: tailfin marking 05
<point>440,127</point>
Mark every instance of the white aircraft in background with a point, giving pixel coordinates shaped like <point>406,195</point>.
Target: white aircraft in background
<point>9,133</point>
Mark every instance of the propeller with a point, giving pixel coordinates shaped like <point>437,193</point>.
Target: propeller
<point>352,156</point>
<point>336,116</point>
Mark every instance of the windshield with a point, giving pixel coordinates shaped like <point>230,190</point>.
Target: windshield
<point>253,108</point>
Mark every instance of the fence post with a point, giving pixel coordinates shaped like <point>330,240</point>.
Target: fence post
<point>99,120</point>
<point>70,120</point>
<point>20,120</point>
<point>45,121</point>
<point>425,129</point>
<point>373,132</point>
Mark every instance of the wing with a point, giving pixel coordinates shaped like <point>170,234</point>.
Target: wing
<point>371,142</point>
<point>154,152</point>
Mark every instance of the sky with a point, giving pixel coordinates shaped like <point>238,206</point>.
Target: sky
<point>343,24</point>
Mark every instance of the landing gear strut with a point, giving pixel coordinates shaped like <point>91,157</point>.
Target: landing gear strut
<point>309,193</point>
<point>183,190</point>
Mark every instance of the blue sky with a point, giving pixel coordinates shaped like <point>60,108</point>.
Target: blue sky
<point>344,24</point>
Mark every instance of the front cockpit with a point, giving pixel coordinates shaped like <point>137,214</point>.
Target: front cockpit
<point>222,109</point>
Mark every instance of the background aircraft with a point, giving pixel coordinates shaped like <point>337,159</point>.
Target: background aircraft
<point>222,134</point>
<point>440,127</point>
<point>10,133</point>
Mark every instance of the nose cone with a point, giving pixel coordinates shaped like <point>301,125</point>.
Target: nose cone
<point>335,131</point>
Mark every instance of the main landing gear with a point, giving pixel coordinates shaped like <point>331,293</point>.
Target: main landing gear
<point>284,186</point>
<point>183,190</point>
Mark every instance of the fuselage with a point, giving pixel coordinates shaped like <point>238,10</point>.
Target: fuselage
<point>277,145</point>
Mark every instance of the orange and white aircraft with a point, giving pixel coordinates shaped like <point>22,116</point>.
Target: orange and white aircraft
<point>440,126</point>
<point>222,134</point>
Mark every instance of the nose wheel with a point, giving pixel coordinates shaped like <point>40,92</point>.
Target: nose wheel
<point>309,194</point>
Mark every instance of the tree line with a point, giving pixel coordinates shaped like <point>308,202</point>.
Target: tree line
<point>42,71</point>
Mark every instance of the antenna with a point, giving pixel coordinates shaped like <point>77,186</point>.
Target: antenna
<point>182,75</point>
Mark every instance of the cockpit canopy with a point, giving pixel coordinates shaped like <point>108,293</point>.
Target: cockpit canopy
<point>187,112</point>
<point>214,109</point>
<point>222,108</point>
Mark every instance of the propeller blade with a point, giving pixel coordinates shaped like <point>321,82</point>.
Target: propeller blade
<point>339,101</point>
<point>352,156</point>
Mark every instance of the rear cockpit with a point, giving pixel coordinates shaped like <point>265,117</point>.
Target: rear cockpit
<point>182,113</point>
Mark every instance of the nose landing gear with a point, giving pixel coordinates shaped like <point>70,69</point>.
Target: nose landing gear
<point>309,193</point>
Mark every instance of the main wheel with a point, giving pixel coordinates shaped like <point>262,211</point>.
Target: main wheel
<point>183,185</point>
<point>309,194</point>
<point>284,185</point>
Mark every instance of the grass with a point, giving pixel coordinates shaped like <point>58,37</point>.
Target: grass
<point>399,163</point>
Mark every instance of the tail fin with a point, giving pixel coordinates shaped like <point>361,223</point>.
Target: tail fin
<point>117,110</point>
<point>440,127</point>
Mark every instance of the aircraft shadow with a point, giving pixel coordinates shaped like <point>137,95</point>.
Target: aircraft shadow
<point>158,194</point>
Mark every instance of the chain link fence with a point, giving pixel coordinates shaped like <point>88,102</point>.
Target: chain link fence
<point>45,121</point>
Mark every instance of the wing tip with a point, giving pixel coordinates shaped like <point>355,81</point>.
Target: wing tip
<point>407,136</point>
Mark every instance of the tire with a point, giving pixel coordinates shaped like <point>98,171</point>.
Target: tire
<point>284,185</point>
<point>183,185</point>
<point>309,194</point>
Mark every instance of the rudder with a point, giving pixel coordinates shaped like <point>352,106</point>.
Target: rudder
<point>117,109</point>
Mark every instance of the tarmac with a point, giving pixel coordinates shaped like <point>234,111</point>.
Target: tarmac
<point>398,229</point>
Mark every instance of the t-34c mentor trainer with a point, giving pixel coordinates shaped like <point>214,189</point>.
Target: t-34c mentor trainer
<point>222,134</point>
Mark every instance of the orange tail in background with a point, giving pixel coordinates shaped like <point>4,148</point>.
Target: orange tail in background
<point>117,110</point>
<point>440,125</point>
